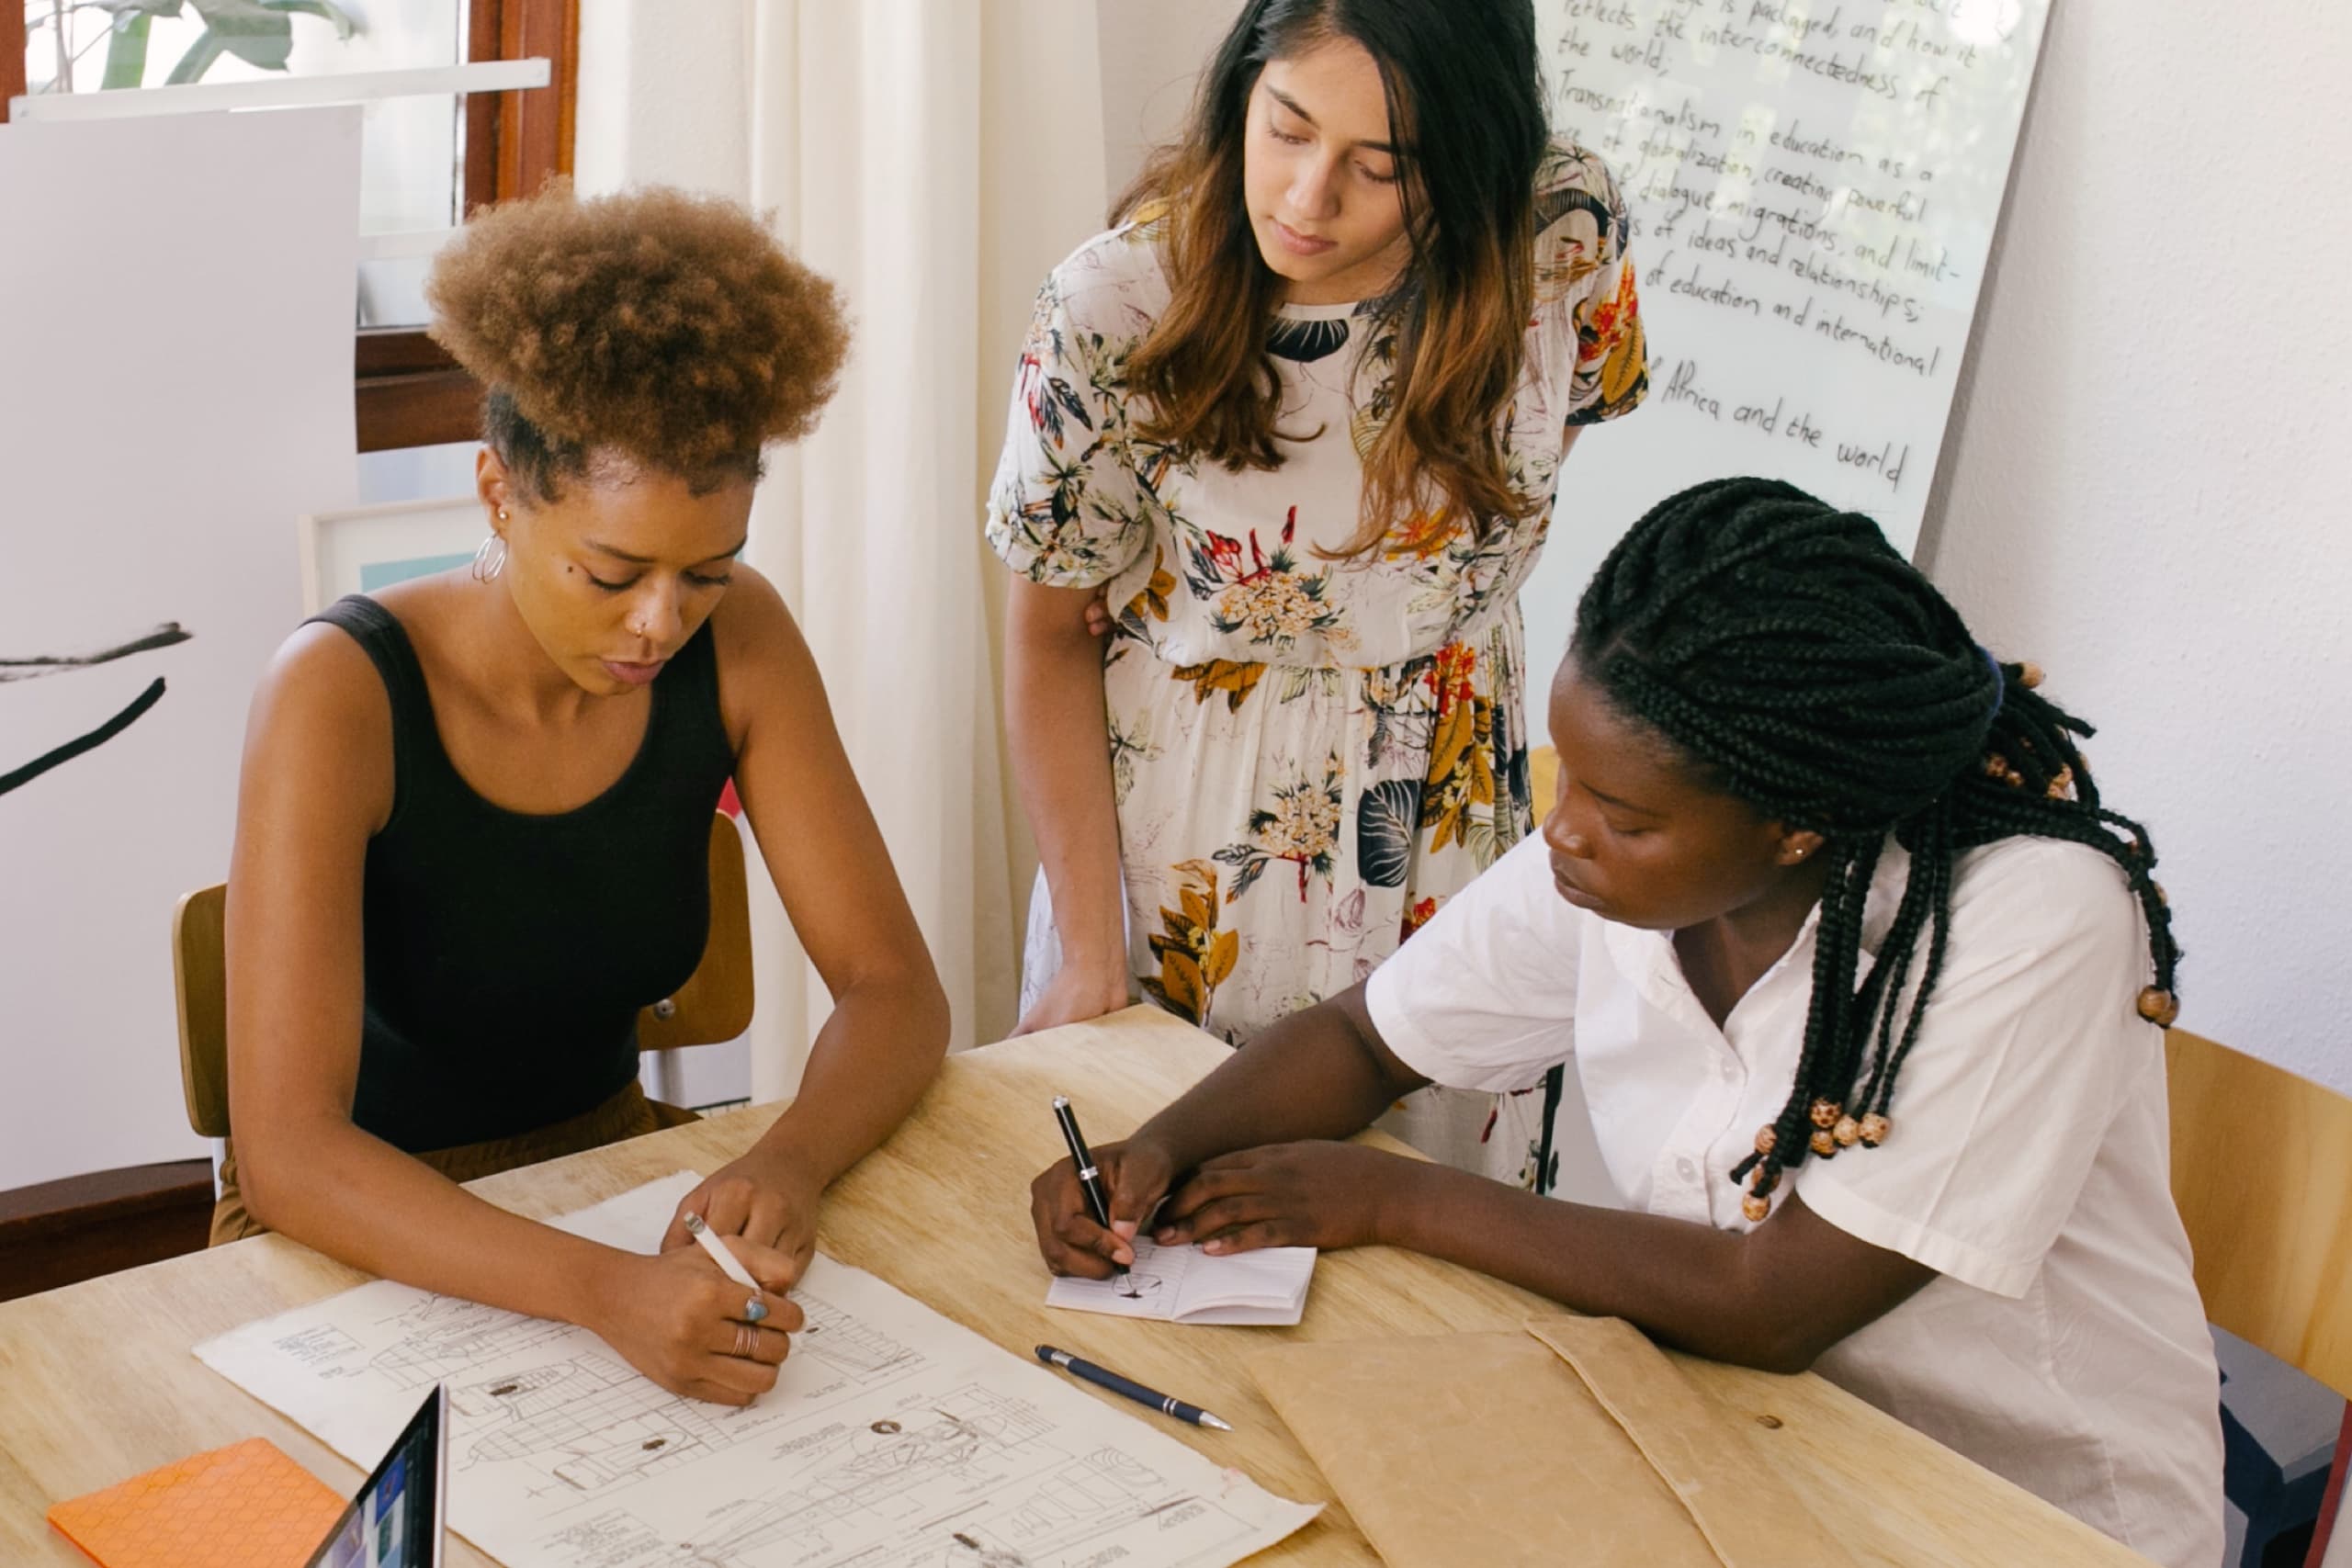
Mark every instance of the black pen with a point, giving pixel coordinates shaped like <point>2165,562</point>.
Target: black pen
<point>1102,1377</point>
<point>1090,1179</point>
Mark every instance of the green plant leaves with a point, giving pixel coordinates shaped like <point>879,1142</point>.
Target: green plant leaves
<point>335,15</point>
<point>248,29</point>
<point>259,32</point>
<point>126,49</point>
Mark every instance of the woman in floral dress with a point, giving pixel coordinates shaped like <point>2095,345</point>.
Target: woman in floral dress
<point>1297,424</point>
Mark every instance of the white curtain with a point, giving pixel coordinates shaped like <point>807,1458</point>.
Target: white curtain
<point>910,150</point>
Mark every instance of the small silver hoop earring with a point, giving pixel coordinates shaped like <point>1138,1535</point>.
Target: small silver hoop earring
<point>487,566</point>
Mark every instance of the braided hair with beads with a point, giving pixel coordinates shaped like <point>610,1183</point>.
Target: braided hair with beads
<point>1809,669</point>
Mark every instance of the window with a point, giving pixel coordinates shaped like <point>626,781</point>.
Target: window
<point>426,161</point>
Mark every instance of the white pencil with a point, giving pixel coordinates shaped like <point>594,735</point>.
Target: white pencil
<point>719,1253</point>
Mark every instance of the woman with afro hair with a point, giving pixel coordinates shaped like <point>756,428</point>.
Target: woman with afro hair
<point>474,811</point>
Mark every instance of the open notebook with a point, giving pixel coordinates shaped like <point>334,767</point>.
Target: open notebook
<point>1183,1284</point>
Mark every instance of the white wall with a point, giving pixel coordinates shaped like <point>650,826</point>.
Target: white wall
<point>665,96</point>
<point>2149,480</point>
<point>1153,51</point>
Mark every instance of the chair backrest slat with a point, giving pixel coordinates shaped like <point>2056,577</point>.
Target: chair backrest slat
<point>199,977</point>
<point>714,1003</point>
<point>2262,1175</point>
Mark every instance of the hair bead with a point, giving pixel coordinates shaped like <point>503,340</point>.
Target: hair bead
<point>2158,1006</point>
<point>1825,1113</point>
<point>1874,1131</point>
<point>1846,1131</point>
<point>1825,1143</point>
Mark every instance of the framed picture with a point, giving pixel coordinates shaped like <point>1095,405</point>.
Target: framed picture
<point>368,548</point>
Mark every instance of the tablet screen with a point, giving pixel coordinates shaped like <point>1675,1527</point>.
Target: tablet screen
<point>395,1521</point>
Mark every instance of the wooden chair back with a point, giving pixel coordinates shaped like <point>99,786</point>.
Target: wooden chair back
<point>714,1003</point>
<point>2262,1175</point>
<point>1542,780</point>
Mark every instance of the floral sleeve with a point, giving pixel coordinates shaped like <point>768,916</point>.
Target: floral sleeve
<point>1583,287</point>
<point>1065,509</point>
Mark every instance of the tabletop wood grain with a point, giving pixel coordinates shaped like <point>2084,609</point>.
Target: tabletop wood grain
<point>98,1383</point>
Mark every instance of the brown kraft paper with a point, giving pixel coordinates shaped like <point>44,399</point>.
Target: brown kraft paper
<point>1575,1441</point>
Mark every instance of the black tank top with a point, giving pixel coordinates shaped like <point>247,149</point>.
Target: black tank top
<point>508,954</point>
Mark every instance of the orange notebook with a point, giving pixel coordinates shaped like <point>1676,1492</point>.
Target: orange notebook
<point>247,1506</point>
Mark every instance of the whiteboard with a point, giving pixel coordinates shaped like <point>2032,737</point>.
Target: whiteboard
<point>177,391</point>
<point>1814,188</point>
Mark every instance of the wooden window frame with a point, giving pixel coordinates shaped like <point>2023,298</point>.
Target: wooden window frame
<point>406,390</point>
<point>12,55</point>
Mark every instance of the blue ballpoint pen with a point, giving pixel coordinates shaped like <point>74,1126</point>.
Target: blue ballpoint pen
<point>1102,1377</point>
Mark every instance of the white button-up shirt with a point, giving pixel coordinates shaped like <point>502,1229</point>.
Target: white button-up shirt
<point>2063,1345</point>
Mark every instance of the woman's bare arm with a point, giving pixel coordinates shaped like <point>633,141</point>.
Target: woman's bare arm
<point>1061,760</point>
<point>317,782</point>
<point>882,1045</point>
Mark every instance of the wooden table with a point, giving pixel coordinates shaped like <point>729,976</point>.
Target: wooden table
<point>97,1382</point>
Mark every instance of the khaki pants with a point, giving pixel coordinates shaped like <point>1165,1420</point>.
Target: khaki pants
<point>628,1114</point>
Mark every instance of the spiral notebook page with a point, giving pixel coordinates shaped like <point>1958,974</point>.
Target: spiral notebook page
<point>1183,1284</point>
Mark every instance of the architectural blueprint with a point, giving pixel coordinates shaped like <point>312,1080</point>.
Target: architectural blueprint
<point>894,1438</point>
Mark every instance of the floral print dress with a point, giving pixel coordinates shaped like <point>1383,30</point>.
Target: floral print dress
<point>1309,755</point>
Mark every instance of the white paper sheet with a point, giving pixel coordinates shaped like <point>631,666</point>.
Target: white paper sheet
<point>894,1438</point>
<point>1183,1284</point>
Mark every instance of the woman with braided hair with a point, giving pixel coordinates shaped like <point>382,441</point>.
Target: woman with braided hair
<point>1861,981</point>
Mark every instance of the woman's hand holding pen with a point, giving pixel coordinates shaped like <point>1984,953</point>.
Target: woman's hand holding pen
<point>1305,1194</point>
<point>768,1202</point>
<point>677,1319</point>
<point>1136,1173</point>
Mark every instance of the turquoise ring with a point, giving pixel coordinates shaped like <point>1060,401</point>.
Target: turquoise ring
<point>754,1310</point>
